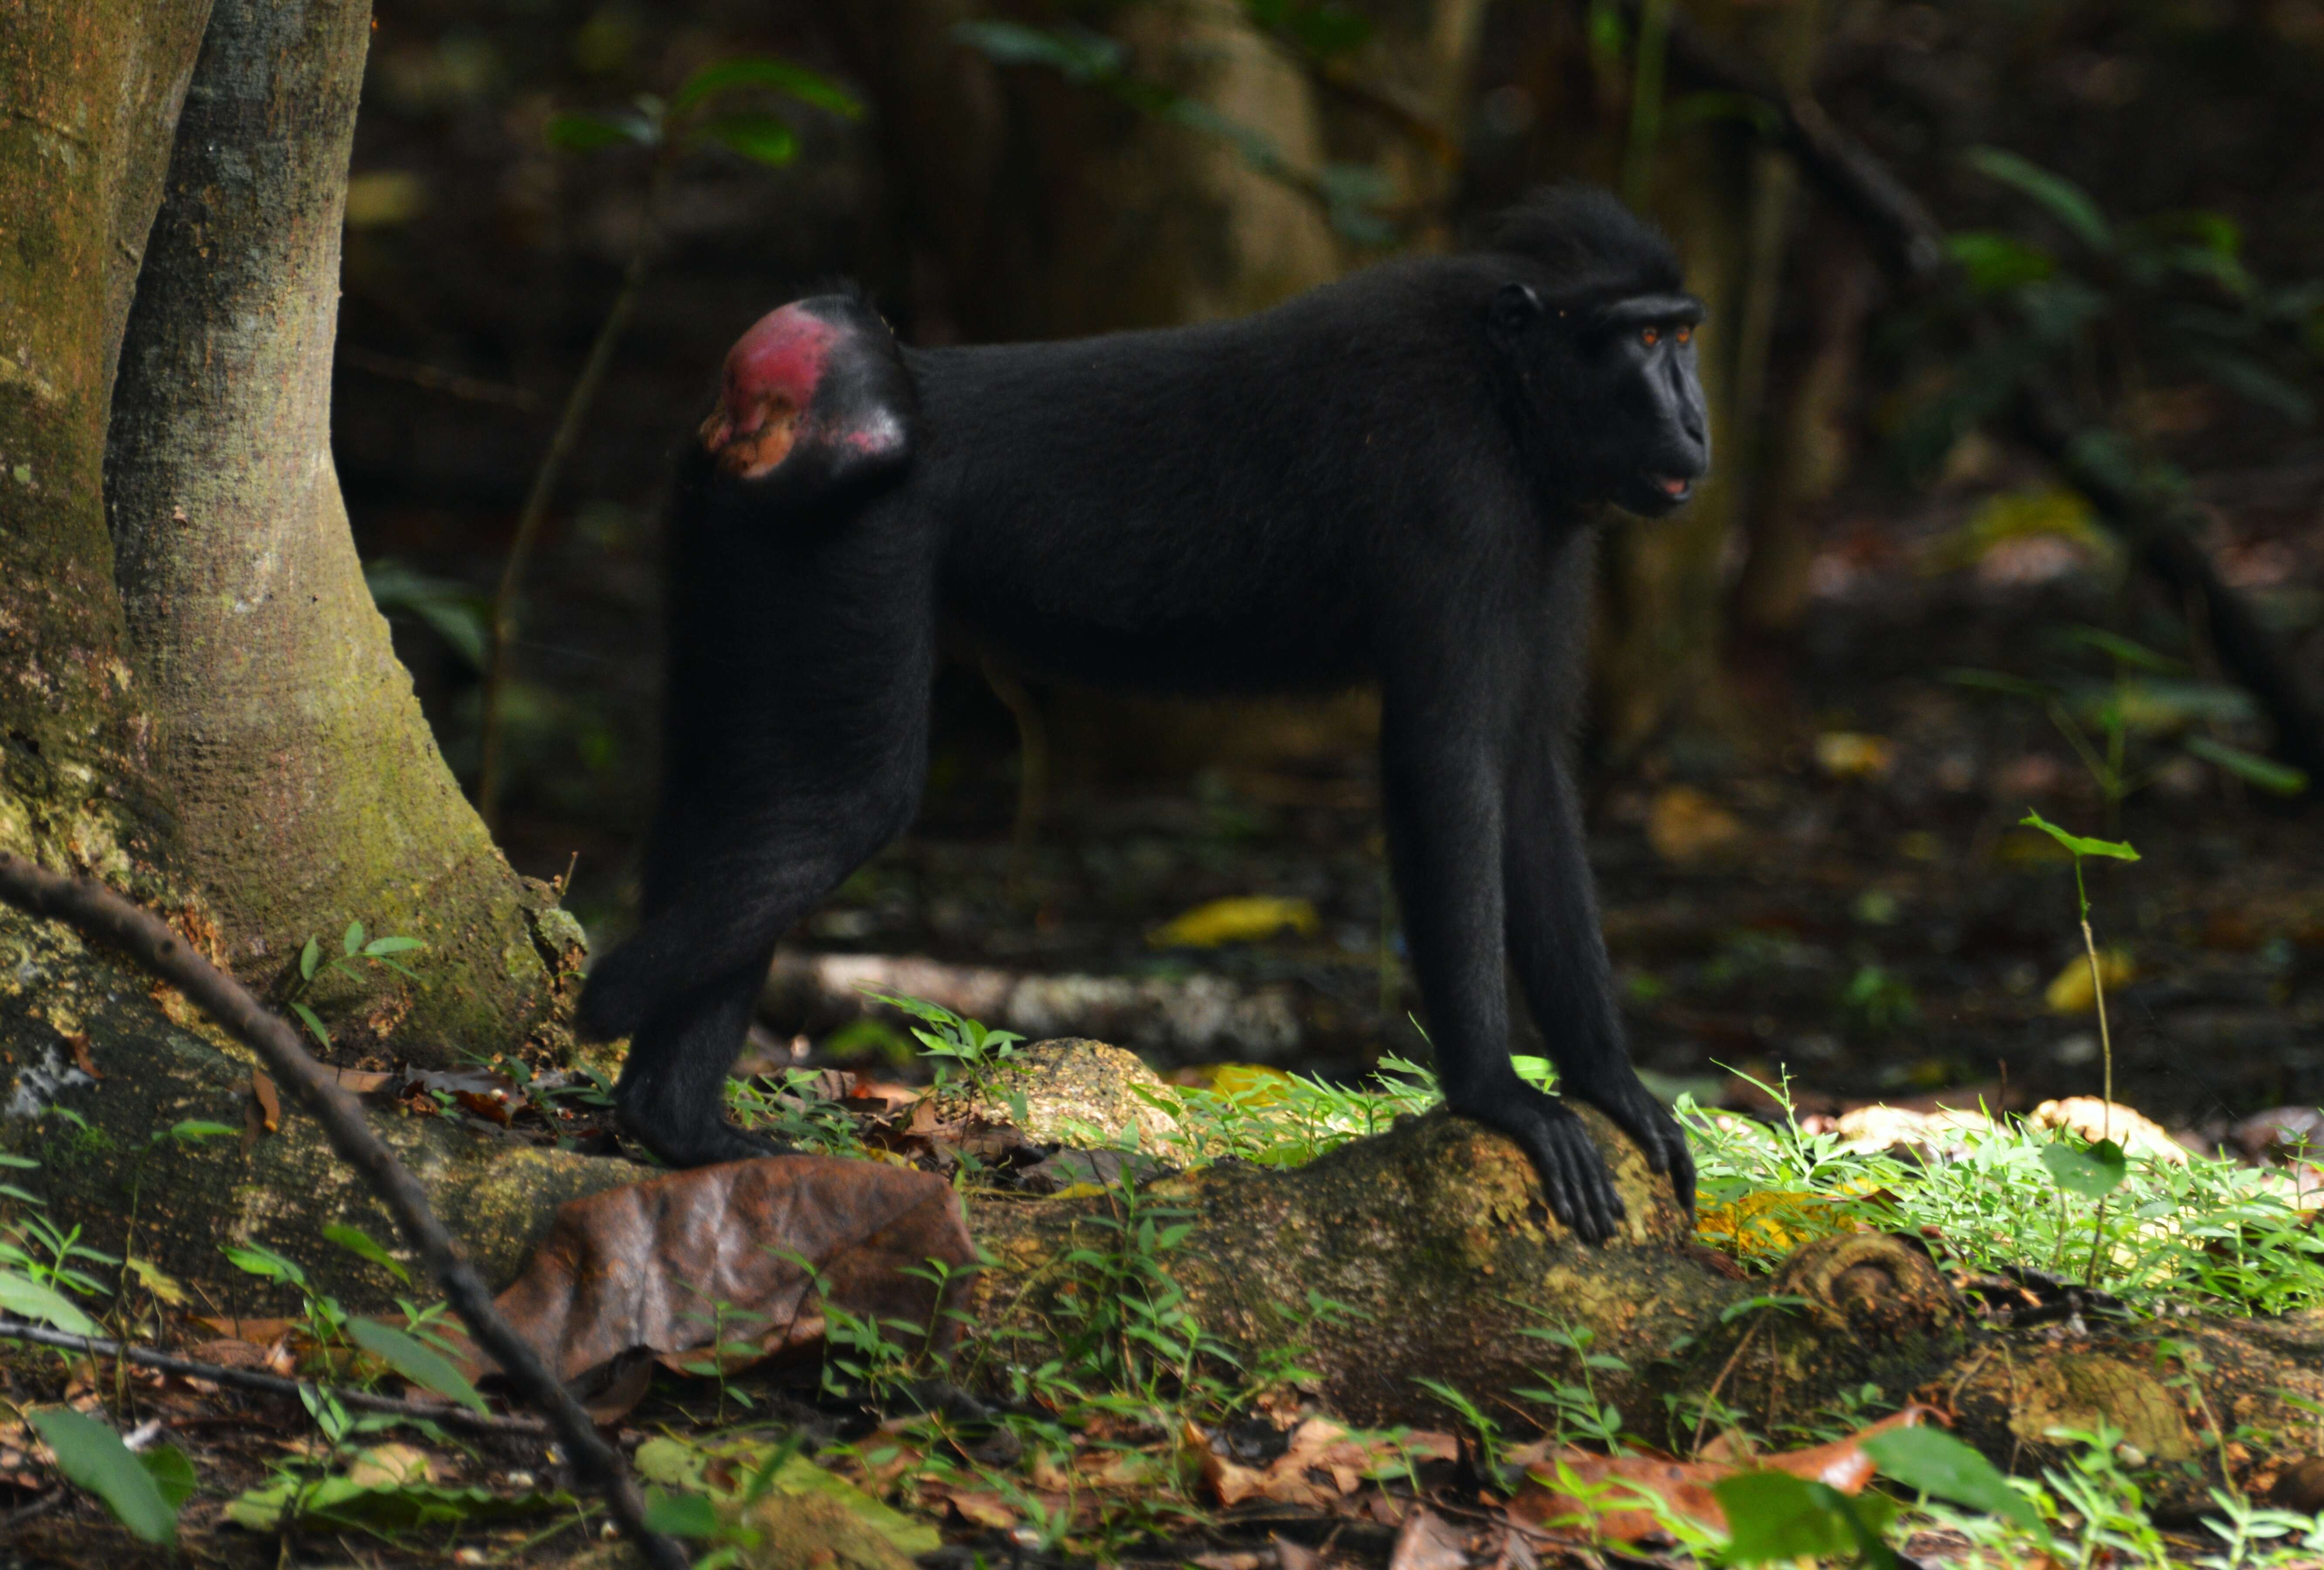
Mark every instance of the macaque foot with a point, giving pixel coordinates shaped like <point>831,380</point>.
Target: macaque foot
<point>1574,1179</point>
<point>684,1139</point>
<point>704,1144</point>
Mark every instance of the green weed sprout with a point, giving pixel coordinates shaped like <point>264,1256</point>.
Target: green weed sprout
<point>354,945</point>
<point>2098,1171</point>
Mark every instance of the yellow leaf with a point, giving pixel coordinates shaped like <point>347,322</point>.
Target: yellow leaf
<point>1772,1222</point>
<point>390,1466</point>
<point>2071,993</point>
<point>1685,826</point>
<point>2052,513</point>
<point>1255,1084</point>
<point>1248,919</point>
<point>157,1280</point>
<point>1854,755</point>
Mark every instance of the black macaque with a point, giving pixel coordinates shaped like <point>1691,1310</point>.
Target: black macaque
<point>1394,477</point>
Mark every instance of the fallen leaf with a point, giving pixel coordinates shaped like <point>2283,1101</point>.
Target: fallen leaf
<point>2070,992</point>
<point>641,1266</point>
<point>164,1286</point>
<point>1251,918</point>
<point>1869,1129</point>
<point>1291,1556</point>
<point>269,1102</point>
<point>724,1470</point>
<point>238,1328</point>
<point>1854,755</point>
<point>78,1042</point>
<point>1428,1543</point>
<point>1625,1498</point>
<point>1322,1464</point>
<point>975,1509</point>
<point>1685,826</point>
<point>390,1466</point>
<point>1772,1222</point>
<point>2093,1119</point>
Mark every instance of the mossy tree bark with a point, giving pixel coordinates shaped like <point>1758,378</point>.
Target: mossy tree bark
<point>305,789</point>
<point>239,750</point>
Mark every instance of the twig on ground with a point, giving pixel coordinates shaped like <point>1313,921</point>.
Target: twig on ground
<point>250,1378</point>
<point>96,912</point>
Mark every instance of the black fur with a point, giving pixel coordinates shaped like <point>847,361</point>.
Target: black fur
<point>1392,476</point>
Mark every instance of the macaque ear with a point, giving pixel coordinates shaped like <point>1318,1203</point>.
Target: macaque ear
<point>1515,309</point>
<point>816,400</point>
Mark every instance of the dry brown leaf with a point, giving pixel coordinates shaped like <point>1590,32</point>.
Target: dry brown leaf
<point>2094,1118</point>
<point>269,1102</point>
<point>1843,1464</point>
<point>1322,1464</point>
<point>78,1042</point>
<point>1291,1556</point>
<point>263,1332</point>
<point>1561,1485</point>
<point>975,1509</point>
<point>1428,1542</point>
<point>1685,826</point>
<point>392,1466</point>
<point>723,1254</point>
<point>232,1352</point>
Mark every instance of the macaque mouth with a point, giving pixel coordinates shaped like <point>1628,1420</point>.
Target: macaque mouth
<point>1674,486</point>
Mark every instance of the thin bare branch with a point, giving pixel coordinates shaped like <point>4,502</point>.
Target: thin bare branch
<point>250,1378</point>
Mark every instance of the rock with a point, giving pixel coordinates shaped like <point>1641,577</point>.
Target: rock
<point>1077,1092</point>
<point>2090,1117</point>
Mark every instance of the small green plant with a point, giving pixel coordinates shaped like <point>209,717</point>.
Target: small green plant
<point>324,1320</point>
<point>2208,1231</point>
<point>143,1491</point>
<point>2098,1170</point>
<point>1576,1412</point>
<point>50,1253</point>
<point>1776,1516</point>
<point>1486,1431</point>
<point>794,1115</point>
<point>962,1045</point>
<point>728,1324</point>
<point>355,951</point>
<point>1125,1318</point>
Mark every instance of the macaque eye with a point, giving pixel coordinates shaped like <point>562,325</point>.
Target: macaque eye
<point>1651,337</point>
<point>1686,334</point>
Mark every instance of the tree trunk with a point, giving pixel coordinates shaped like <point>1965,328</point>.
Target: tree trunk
<point>1035,207</point>
<point>234,504</point>
<point>306,787</point>
<point>88,93</point>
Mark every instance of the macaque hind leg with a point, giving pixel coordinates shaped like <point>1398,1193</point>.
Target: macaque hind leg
<point>670,1096</point>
